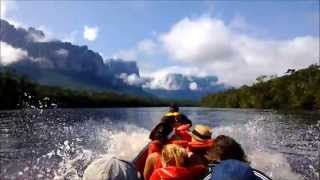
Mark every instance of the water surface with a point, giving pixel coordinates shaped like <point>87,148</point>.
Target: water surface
<point>60,143</point>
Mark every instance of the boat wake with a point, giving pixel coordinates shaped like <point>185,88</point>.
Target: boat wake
<point>69,159</point>
<point>127,140</point>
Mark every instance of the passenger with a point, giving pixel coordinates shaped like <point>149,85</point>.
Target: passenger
<point>200,144</point>
<point>175,118</point>
<point>173,159</point>
<point>162,134</point>
<point>226,148</point>
<point>159,136</point>
<point>111,168</point>
<point>233,164</point>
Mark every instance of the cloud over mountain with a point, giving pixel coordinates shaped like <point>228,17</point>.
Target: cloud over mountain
<point>60,63</point>
<point>236,58</point>
<point>10,54</point>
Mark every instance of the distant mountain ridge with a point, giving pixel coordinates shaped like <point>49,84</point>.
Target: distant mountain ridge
<point>53,62</point>
<point>62,63</point>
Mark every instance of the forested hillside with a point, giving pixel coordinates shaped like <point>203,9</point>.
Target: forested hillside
<point>298,90</point>
<point>19,92</point>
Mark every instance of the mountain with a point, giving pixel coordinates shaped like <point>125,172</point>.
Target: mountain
<point>178,86</point>
<point>62,63</point>
<point>52,62</point>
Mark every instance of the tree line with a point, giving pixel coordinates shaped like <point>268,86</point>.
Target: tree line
<point>297,90</point>
<point>20,92</point>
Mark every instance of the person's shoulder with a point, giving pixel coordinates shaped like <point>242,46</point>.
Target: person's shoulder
<point>153,156</point>
<point>235,169</point>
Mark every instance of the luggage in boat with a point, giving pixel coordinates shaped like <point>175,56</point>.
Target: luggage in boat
<point>140,159</point>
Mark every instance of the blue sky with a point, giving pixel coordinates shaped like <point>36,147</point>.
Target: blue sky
<point>123,25</point>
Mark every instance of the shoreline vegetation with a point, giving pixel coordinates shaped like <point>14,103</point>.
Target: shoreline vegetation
<point>299,90</point>
<point>17,92</point>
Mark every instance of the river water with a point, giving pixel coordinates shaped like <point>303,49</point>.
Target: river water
<point>60,143</point>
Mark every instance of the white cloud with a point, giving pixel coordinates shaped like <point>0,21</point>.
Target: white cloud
<point>143,48</point>
<point>147,46</point>
<point>215,48</point>
<point>3,8</point>
<point>90,33</point>
<point>199,40</point>
<point>193,86</point>
<point>7,11</point>
<point>127,55</point>
<point>10,54</point>
<point>132,79</point>
<point>62,53</point>
<point>185,70</point>
<point>71,37</point>
<point>40,34</point>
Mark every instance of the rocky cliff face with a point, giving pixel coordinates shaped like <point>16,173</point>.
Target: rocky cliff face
<point>53,62</point>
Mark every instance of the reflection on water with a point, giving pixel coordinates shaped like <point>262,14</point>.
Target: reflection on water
<point>59,143</point>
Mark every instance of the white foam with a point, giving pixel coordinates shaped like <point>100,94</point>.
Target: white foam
<point>123,141</point>
<point>252,138</point>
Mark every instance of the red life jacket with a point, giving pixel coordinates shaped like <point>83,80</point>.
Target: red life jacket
<point>158,163</point>
<point>182,132</point>
<point>178,173</point>
<point>200,145</point>
<point>154,146</point>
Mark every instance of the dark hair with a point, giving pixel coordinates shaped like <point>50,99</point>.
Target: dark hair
<point>161,131</point>
<point>173,107</point>
<point>227,148</point>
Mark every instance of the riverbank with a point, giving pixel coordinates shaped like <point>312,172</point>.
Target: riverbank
<point>18,92</point>
<point>299,90</point>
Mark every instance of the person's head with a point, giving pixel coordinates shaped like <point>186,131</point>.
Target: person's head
<point>173,107</point>
<point>173,121</point>
<point>201,132</point>
<point>111,168</point>
<point>161,132</point>
<point>226,148</point>
<point>174,155</point>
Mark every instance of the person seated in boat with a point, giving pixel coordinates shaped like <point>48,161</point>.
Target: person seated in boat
<point>111,168</point>
<point>173,161</point>
<point>201,142</point>
<point>229,160</point>
<point>174,117</point>
<point>164,133</point>
<point>161,135</point>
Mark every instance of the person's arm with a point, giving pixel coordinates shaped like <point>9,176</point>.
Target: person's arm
<point>149,166</point>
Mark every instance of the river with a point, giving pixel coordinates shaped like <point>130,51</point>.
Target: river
<point>59,143</point>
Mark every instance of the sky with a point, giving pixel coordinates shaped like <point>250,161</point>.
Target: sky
<point>236,41</point>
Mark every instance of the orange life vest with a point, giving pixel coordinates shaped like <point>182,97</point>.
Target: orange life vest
<point>178,173</point>
<point>158,163</point>
<point>200,145</point>
<point>182,132</point>
<point>154,146</point>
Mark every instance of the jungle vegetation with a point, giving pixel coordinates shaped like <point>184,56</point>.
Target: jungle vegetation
<point>296,90</point>
<point>20,92</point>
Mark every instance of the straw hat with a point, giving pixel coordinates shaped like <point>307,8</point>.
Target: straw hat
<point>201,132</point>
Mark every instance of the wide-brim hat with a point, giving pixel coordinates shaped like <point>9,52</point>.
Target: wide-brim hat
<point>201,132</point>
